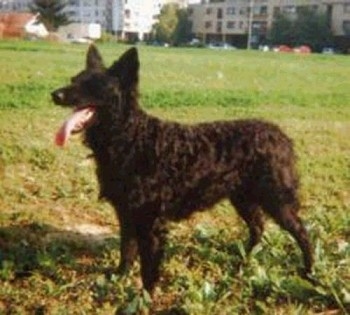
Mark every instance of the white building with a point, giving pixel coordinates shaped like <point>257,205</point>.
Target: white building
<point>133,19</point>
<point>88,11</point>
<point>15,5</point>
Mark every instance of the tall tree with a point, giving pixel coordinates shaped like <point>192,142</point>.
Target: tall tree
<point>167,22</point>
<point>308,28</point>
<point>282,30</point>
<point>182,33</point>
<point>51,13</point>
<point>313,29</point>
<point>173,25</point>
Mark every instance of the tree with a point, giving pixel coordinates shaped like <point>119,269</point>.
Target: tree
<point>282,30</point>
<point>182,33</point>
<point>51,13</point>
<point>173,25</point>
<point>313,29</point>
<point>167,22</point>
<point>308,28</point>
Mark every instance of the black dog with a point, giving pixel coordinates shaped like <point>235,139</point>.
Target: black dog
<point>152,171</point>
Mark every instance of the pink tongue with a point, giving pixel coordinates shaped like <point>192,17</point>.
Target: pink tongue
<point>80,116</point>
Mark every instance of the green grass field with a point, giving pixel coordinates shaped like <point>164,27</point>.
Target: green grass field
<point>59,244</point>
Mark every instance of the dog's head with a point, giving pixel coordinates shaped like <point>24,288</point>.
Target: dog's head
<point>94,88</point>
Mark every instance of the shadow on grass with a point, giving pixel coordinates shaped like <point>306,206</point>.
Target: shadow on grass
<point>31,247</point>
<point>30,250</point>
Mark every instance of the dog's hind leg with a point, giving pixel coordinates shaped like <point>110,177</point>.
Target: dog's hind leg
<point>151,237</point>
<point>283,206</point>
<point>286,216</point>
<point>253,216</point>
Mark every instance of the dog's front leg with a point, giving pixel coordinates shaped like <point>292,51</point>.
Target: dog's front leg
<point>128,242</point>
<point>151,236</point>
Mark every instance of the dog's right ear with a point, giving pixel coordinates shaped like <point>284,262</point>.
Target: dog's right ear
<point>93,59</point>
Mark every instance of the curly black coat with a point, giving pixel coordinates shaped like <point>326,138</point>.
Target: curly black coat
<point>152,170</point>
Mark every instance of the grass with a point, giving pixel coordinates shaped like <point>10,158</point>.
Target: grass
<point>59,244</point>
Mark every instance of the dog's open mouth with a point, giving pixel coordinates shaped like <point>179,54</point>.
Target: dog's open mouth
<point>77,122</point>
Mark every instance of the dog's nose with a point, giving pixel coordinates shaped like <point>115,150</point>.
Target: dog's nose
<point>57,96</point>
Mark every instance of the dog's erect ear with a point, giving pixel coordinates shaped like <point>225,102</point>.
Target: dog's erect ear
<point>93,59</point>
<point>126,69</point>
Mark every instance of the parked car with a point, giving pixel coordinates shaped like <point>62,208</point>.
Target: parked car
<point>81,40</point>
<point>220,45</point>
<point>328,50</point>
<point>304,49</point>
<point>283,48</point>
<point>195,42</point>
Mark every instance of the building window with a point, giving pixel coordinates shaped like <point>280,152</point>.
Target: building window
<point>263,10</point>
<point>231,11</point>
<point>260,10</point>
<point>346,27</point>
<point>259,27</point>
<point>208,24</point>
<point>347,8</point>
<point>230,25</point>
<point>256,10</point>
<point>276,11</point>
<point>241,25</point>
<point>219,13</point>
<point>127,14</point>
<point>243,11</point>
<point>208,11</point>
<point>219,27</point>
<point>290,9</point>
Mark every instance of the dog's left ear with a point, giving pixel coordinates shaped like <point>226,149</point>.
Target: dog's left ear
<point>94,59</point>
<point>126,69</point>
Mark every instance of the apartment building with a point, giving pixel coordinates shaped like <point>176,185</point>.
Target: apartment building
<point>133,19</point>
<point>88,11</point>
<point>340,15</point>
<point>14,5</point>
<point>233,21</point>
<point>338,11</point>
<point>230,20</point>
<point>81,11</point>
<point>128,19</point>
